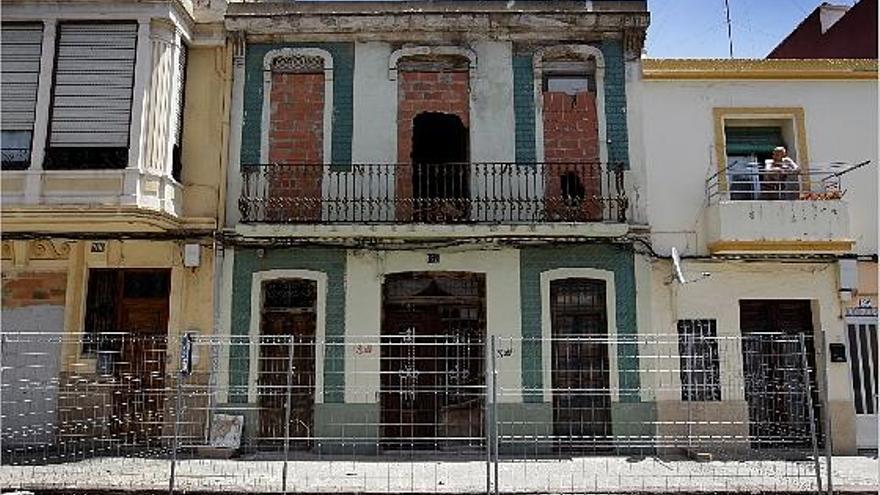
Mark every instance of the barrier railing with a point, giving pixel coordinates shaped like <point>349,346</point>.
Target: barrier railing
<point>452,412</point>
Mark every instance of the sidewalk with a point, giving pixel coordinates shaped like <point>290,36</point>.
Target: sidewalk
<point>579,475</point>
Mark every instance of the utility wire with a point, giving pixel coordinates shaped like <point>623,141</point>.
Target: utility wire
<point>729,27</point>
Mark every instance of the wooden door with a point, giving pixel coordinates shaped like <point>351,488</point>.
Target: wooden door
<point>287,362</point>
<point>139,404</point>
<point>774,373</point>
<point>580,366</point>
<point>410,389</point>
<point>432,355</point>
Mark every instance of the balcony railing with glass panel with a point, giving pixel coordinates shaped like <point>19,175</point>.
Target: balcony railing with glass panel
<point>443,193</point>
<point>758,209</point>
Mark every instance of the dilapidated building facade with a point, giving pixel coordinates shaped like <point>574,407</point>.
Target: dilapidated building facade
<point>414,179</point>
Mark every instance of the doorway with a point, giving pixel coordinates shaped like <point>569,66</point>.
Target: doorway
<point>288,319</point>
<point>432,360</point>
<point>862,342</point>
<point>580,365</point>
<point>127,322</point>
<point>441,173</point>
<point>776,334</point>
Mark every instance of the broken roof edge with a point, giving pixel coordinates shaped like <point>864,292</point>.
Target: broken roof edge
<point>767,69</point>
<point>390,7</point>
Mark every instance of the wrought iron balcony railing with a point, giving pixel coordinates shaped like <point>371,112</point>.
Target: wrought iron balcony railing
<point>433,193</point>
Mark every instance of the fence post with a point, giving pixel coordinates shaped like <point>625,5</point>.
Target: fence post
<point>174,447</point>
<point>495,410</point>
<point>288,395</point>
<point>487,419</point>
<point>805,364</point>
<point>827,410</point>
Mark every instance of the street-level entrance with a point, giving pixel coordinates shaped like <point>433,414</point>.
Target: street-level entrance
<point>433,340</point>
<point>580,365</point>
<point>862,342</point>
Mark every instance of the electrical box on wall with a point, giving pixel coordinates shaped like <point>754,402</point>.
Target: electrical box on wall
<point>192,255</point>
<point>838,353</point>
<point>849,274</point>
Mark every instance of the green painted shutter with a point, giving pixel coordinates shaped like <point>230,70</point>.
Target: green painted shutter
<point>742,141</point>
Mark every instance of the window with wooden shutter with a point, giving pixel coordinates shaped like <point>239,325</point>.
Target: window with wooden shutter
<point>92,95</point>
<point>20,67</point>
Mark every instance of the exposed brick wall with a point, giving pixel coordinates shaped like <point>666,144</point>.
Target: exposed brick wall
<point>296,136</point>
<point>418,92</point>
<point>34,289</point>
<point>571,138</point>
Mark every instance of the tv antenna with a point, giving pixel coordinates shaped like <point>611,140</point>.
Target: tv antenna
<point>729,27</point>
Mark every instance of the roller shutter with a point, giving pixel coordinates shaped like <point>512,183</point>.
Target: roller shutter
<point>94,75</point>
<point>20,61</point>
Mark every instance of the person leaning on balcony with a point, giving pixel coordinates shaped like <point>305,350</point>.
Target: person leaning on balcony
<point>780,177</point>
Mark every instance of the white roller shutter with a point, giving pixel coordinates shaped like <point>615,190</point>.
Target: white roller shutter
<point>20,67</point>
<point>94,75</point>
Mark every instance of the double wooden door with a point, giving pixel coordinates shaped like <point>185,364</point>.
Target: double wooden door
<point>432,359</point>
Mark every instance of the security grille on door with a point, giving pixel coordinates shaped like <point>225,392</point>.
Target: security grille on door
<point>92,94</point>
<point>20,63</point>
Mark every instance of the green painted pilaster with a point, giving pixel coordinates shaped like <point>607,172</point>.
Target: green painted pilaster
<point>618,259</point>
<point>343,90</point>
<point>615,103</point>
<point>248,262</point>
<point>524,108</point>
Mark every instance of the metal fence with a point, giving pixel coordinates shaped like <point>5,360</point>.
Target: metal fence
<point>453,413</point>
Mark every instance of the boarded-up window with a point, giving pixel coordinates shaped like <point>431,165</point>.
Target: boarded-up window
<point>20,65</point>
<point>700,367</point>
<point>92,95</point>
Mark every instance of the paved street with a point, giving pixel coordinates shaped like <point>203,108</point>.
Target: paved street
<point>593,474</point>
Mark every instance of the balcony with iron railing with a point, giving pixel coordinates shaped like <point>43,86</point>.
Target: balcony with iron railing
<point>755,209</point>
<point>444,193</point>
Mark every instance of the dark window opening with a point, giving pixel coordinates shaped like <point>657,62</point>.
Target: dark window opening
<point>573,190</point>
<point>441,174</point>
<point>700,366</point>
<point>177,151</point>
<point>16,149</point>
<point>85,158</point>
<point>113,295</point>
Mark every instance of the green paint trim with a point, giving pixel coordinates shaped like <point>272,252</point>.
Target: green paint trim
<point>619,259</point>
<point>616,129</point>
<point>343,98</point>
<point>328,261</point>
<point>524,108</point>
